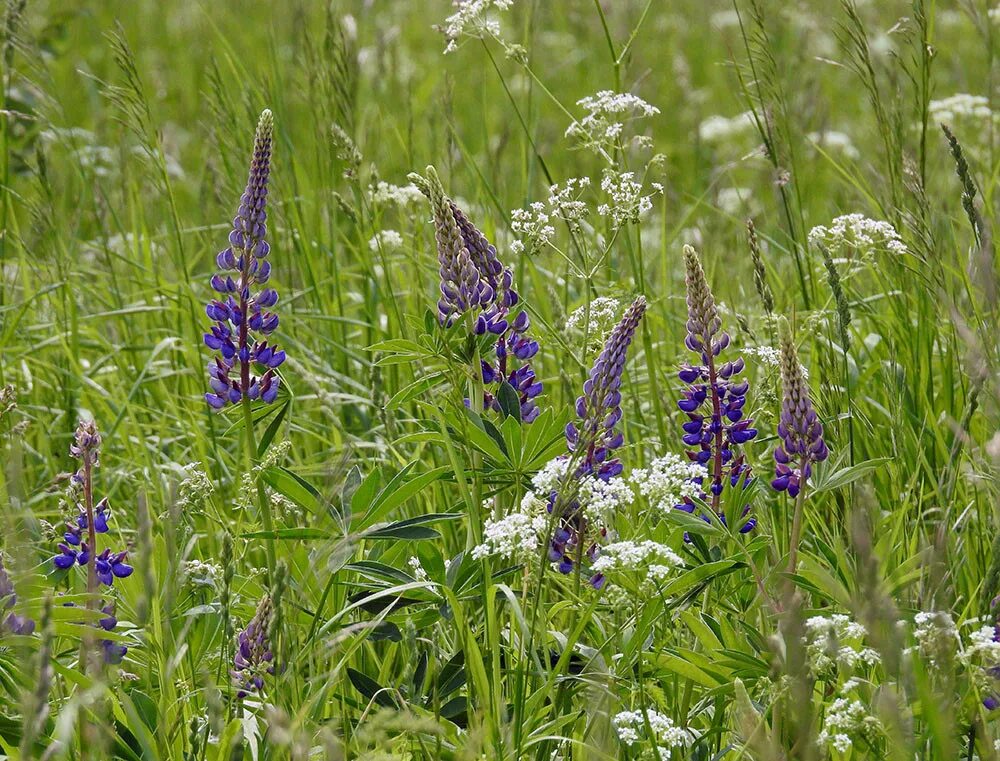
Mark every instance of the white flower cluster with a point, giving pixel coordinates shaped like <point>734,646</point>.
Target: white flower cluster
<point>717,129</point>
<point>598,499</point>
<point>603,315</point>
<point>836,640</point>
<point>195,488</point>
<point>533,225</point>
<point>835,141</point>
<point>768,355</point>
<point>656,560</point>
<point>386,240</point>
<point>416,569</point>
<point>856,231</point>
<point>627,200</point>
<point>936,635</point>
<point>982,645</point>
<point>516,536</point>
<point>959,106</point>
<point>607,112</point>
<point>473,18</point>
<point>631,729</point>
<point>198,573</point>
<point>845,717</point>
<point>667,480</point>
<point>387,194</point>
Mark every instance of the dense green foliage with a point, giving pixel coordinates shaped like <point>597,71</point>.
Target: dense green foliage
<point>126,132</point>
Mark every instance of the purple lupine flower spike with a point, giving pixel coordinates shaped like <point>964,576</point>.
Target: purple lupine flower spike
<point>595,436</point>
<point>242,322</point>
<point>714,400</point>
<point>799,429</point>
<point>472,279</point>
<point>254,657</point>
<point>599,407</point>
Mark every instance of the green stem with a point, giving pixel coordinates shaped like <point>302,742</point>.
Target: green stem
<point>263,503</point>
<point>793,545</point>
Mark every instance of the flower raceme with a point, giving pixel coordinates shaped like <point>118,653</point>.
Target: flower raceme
<point>799,429</point>
<point>242,322</point>
<point>254,657</point>
<point>474,281</point>
<point>714,399</point>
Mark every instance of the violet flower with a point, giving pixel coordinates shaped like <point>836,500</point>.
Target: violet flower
<point>799,429</point>
<point>243,323</point>
<point>254,657</point>
<point>473,280</point>
<point>593,438</point>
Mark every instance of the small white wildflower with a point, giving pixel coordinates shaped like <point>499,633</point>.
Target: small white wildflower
<point>516,536</point>
<point>936,635</point>
<point>564,201</point>
<point>386,240</point>
<point>960,106</point>
<point>385,194</point>
<point>858,232</point>
<point>473,18</point>
<point>768,355</point>
<point>630,726</point>
<point>716,129</point>
<point>598,499</point>
<point>627,200</point>
<point>607,113</point>
<point>195,488</point>
<point>656,560</point>
<point>835,640</point>
<point>667,481</point>
<point>200,574</point>
<point>835,141</point>
<point>845,718</point>
<point>532,226</point>
<point>416,569</point>
<point>596,326</point>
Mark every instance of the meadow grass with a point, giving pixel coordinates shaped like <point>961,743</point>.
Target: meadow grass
<point>364,523</point>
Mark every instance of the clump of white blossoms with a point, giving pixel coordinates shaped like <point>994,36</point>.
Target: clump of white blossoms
<point>386,240</point>
<point>599,500</point>
<point>936,636</point>
<point>517,535</point>
<point>833,140</point>
<point>473,18</point>
<point>859,233</point>
<point>595,323</point>
<point>768,355</point>
<point>667,481</point>
<point>195,488</point>
<point>846,719</point>
<point>630,727</point>
<point>717,129</point>
<point>836,641</point>
<point>607,114</point>
<point>960,106</point>
<point>417,569</point>
<point>387,194</point>
<point>654,560</point>
<point>533,225</point>
<point>533,228</point>
<point>626,200</point>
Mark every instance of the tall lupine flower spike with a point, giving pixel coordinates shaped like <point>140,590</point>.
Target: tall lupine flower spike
<point>79,545</point>
<point>599,407</point>
<point>463,285</point>
<point>594,437</point>
<point>474,280</point>
<point>242,323</point>
<point>254,657</point>
<point>713,400</point>
<point>799,429</point>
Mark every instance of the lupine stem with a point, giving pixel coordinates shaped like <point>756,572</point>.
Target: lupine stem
<point>793,545</point>
<point>263,503</point>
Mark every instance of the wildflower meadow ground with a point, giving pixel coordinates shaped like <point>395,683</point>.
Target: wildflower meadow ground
<point>499,379</point>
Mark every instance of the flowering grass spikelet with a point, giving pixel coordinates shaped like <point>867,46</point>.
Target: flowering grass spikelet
<point>242,320</point>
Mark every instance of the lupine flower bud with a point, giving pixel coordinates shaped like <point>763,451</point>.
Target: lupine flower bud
<point>714,400</point>
<point>799,429</point>
<point>472,279</point>
<point>253,657</point>
<point>242,322</point>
